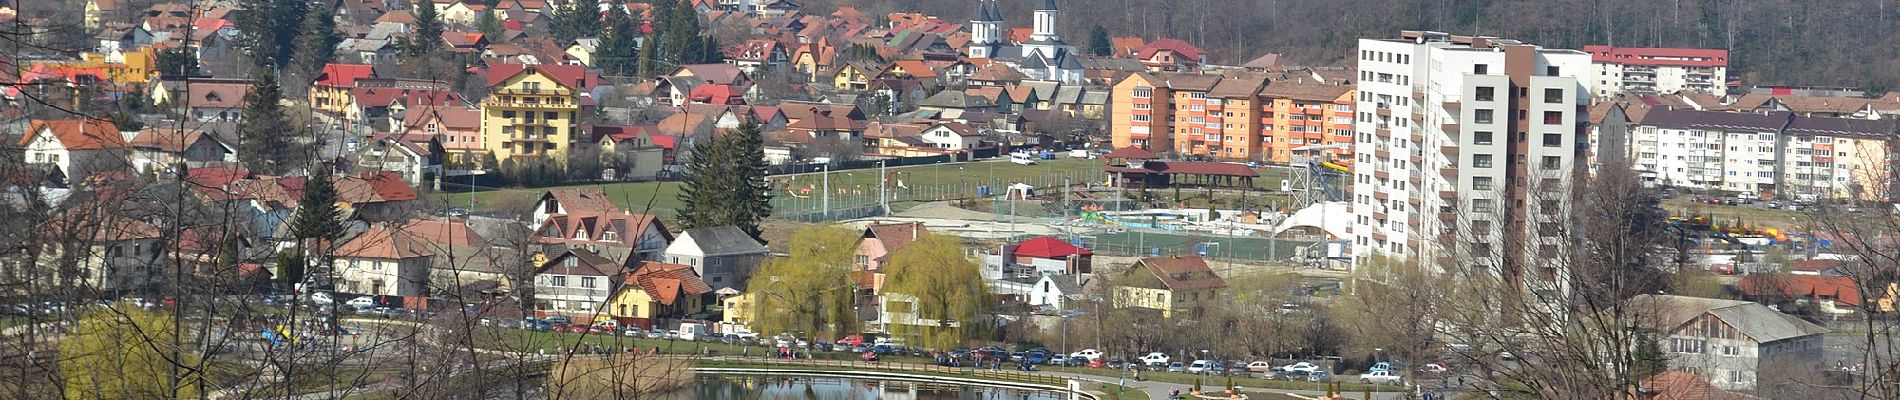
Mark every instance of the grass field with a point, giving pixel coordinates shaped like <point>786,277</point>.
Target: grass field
<point>803,192</point>
<point>1753,215</point>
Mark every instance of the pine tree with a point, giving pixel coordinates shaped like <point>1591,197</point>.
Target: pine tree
<point>1099,42</point>
<point>428,35</point>
<point>619,48</point>
<point>576,20</point>
<point>705,193</point>
<point>754,198</point>
<point>489,25</point>
<point>316,46</point>
<point>177,62</point>
<point>646,58</point>
<point>317,215</point>
<point>270,29</point>
<point>263,144</point>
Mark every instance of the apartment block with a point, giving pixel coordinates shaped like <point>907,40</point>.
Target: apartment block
<point>1776,155</point>
<point>1465,149</point>
<point>1615,70</point>
<point>532,110</point>
<point>1239,118</point>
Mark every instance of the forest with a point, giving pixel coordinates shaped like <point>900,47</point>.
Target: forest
<point>1785,42</point>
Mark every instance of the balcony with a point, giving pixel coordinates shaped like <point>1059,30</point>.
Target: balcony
<point>1448,128</point>
<point>1383,111</point>
<point>1382,154</point>
<point>1381,195</point>
<point>1416,159</point>
<point>1382,174</point>
<point>1448,217</point>
<point>1447,239</point>
<point>1378,215</point>
<point>540,290</point>
<point>1379,236</point>
<point>495,101</point>
<point>1414,200</point>
<point>1448,194</point>
<point>1449,151</point>
<point>1448,173</point>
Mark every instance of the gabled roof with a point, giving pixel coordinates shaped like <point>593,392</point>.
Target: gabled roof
<point>171,139</point>
<point>627,228</point>
<point>450,118</point>
<point>383,242</point>
<point>1305,91</point>
<point>724,240</point>
<point>564,75</point>
<point>1183,51</point>
<point>1182,273</point>
<point>720,73</point>
<point>1841,289</point>
<point>585,263</point>
<point>957,100</point>
<point>667,283</point>
<point>343,75</point>
<point>997,72</point>
<point>1132,153</point>
<point>77,134</point>
<point>895,236</point>
<point>1048,247</point>
<point>582,199</point>
<point>1754,320</point>
<point>217,95</point>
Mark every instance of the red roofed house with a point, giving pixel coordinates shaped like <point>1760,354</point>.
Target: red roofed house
<point>383,261</point>
<point>459,129</point>
<point>713,93</point>
<point>159,146</point>
<point>77,147</point>
<point>1170,55</point>
<point>1169,284</point>
<point>331,93</point>
<point>1834,294</point>
<point>879,241</point>
<point>1051,256</point>
<point>663,291</point>
<point>416,159</point>
<point>533,109</point>
<point>1819,267</point>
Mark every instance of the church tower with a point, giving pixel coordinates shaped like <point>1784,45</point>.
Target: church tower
<point>985,30</point>
<point>1045,24</point>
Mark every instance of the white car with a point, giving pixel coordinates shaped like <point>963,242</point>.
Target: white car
<point>1259,366</point>
<point>1382,377</point>
<point>321,298</point>
<point>1090,354</point>
<point>1300,366</point>
<point>1198,366</point>
<point>361,302</point>
<point>1154,358</point>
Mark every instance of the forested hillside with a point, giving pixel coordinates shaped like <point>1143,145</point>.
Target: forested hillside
<point>1803,42</point>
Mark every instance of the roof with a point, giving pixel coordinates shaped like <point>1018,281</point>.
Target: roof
<point>822,117</point>
<point>382,242</point>
<point>1127,44</point>
<point>1818,265</point>
<point>451,118</point>
<point>1755,320</point>
<point>168,139</point>
<point>343,75</point>
<point>582,199</point>
<point>959,128</point>
<point>1181,48</point>
<point>1841,289</point>
<point>720,73</point>
<point>666,283</point>
<point>1240,87</point>
<point>724,240</point>
<point>1045,5</point>
<point>217,95</point>
<point>586,263</point>
<point>1658,56</point>
<point>77,134</point>
<point>1131,152</point>
<point>956,99</point>
<point>895,236</point>
<point>997,72</point>
<point>1182,273</point>
<point>1679,385</point>
<point>1048,247</point>
<point>714,94</point>
<point>444,232</point>
<point>564,75</point>
<point>1269,60</point>
<point>1305,91</point>
<point>627,228</point>
<point>1669,117</point>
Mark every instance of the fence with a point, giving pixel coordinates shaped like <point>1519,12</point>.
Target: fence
<point>912,368</point>
<point>856,198</point>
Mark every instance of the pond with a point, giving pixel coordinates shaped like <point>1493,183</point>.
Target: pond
<point>770,387</point>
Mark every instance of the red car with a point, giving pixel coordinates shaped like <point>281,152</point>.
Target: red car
<point>577,328</point>
<point>1096,363</point>
<point>852,340</point>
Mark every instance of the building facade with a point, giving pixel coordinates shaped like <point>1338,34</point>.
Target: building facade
<point>531,113</point>
<point>1616,70</point>
<point>1776,155</point>
<point>1465,147</point>
<point>1242,118</point>
<point>1735,345</point>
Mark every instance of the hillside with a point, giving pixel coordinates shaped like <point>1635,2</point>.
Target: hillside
<point>1836,42</point>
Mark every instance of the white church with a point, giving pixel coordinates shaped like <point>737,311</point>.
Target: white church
<point>1044,57</point>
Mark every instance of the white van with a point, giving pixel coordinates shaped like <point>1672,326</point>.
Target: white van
<point>1023,159</point>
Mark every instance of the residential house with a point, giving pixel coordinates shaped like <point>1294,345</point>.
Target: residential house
<point>576,283</point>
<point>458,129</point>
<point>1171,285</point>
<point>819,120</point>
<point>572,200</point>
<point>1832,295</point>
<point>952,136</point>
<point>331,92</point>
<point>660,294</point>
<point>951,104</point>
<point>856,76</point>
<point>1060,292</point>
<point>879,241</point>
<point>122,254</point>
<point>211,100</point>
<point>416,159</point>
<point>757,55</point>
<point>77,147</point>
<point>1734,345</point>
<point>642,152</point>
<point>381,105</point>
<point>1170,55</point>
<point>581,52</point>
<point>382,260</point>
<point>720,74</point>
<point>1049,256</point>
<point>533,110</point>
<point>724,256</point>
<point>620,236</point>
<point>160,146</point>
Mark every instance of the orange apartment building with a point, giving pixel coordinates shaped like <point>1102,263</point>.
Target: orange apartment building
<point>1240,118</point>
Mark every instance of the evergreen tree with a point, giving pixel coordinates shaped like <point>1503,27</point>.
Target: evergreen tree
<point>646,58</point>
<point>489,25</point>
<point>263,144</point>
<point>317,215</point>
<point>706,191</point>
<point>576,19</point>
<point>177,62</point>
<point>619,48</point>
<point>269,29</point>
<point>1099,42</point>
<point>682,41</point>
<point>754,199</point>
<point>316,46</point>
<point>428,35</point>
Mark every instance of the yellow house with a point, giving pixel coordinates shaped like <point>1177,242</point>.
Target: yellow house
<point>126,68</point>
<point>856,76</point>
<point>1169,284</point>
<point>531,110</point>
<point>659,291</point>
<point>738,310</point>
<point>97,9</point>
<point>330,91</point>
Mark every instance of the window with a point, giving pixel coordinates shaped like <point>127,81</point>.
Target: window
<point>1141,106</point>
<point>864,261</point>
<point>557,281</point>
<point>1735,376</point>
<point>1480,69</point>
<point>1686,346</point>
<point>1553,95</point>
<point>1143,92</point>
<point>1481,137</point>
<point>1483,205</point>
<point>588,282</point>
<point>1481,183</point>
<point>1550,70</point>
<point>1481,226</point>
<point>1553,162</point>
<point>1553,117</point>
<point>1487,93</point>
<point>1140,118</point>
<point>1731,351</point>
<point>1481,160</point>
<point>1482,116</point>
<point>1553,140</point>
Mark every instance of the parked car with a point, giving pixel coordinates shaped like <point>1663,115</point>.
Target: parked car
<point>1197,367</point>
<point>1299,366</point>
<point>1293,375</point>
<point>1386,377</point>
<point>656,334</point>
<point>1037,356</point>
<point>1154,358</point>
<point>1380,366</point>
<point>632,331</point>
<point>1176,367</point>
<point>1319,376</point>
<point>361,303</point>
<point>852,340</point>
<point>1433,368</point>
<point>1087,353</point>
<point>1259,366</point>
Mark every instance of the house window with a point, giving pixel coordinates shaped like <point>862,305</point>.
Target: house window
<point>1553,162</point>
<point>1480,69</point>
<point>432,128</point>
<point>1553,117</point>
<point>1481,137</point>
<point>1481,183</point>
<point>1553,95</point>
<point>1481,160</point>
<point>1482,116</point>
<point>1487,93</point>
<point>864,261</point>
<point>557,281</point>
<point>589,282</point>
<point>1483,205</point>
<point>1553,140</point>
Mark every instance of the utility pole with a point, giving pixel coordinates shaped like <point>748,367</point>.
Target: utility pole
<point>882,203</point>
<point>825,203</point>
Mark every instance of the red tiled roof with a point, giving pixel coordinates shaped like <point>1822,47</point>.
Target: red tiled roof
<point>384,243</point>
<point>344,75</point>
<point>1183,273</point>
<point>1841,289</point>
<point>1131,152</point>
<point>77,134</point>
<point>1182,49</point>
<point>1658,56</point>
<point>1048,247</point>
<point>713,93</point>
<point>564,75</point>
<point>1817,265</point>
<point>895,236</point>
<point>666,283</point>
<point>584,199</point>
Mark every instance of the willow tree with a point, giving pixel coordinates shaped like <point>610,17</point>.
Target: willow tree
<point>121,353</point>
<point>810,291</point>
<point>934,292</point>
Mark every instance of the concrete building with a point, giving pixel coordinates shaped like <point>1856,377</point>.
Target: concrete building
<point>1735,345</point>
<point>1776,155</point>
<point>1465,147</point>
<point>1240,117</point>
<point>724,256</point>
<point>533,110</point>
<point>1615,70</point>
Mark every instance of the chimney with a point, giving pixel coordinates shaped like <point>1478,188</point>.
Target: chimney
<point>916,229</point>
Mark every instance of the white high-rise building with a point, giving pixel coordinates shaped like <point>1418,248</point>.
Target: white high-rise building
<point>1465,148</point>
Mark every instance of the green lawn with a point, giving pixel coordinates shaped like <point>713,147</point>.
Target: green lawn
<point>803,193</point>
